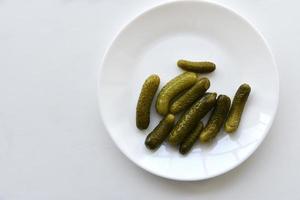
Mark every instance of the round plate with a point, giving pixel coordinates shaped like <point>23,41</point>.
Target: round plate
<point>195,30</point>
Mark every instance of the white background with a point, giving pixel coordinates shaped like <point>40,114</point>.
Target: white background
<point>52,142</point>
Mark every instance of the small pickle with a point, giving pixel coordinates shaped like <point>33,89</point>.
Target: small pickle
<point>216,119</point>
<point>191,117</point>
<point>237,107</point>
<point>189,97</point>
<point>190,140</point>
<point>200,67</point>
<point>160,132</point>
<point>143,107</point>
<point>172,89</point>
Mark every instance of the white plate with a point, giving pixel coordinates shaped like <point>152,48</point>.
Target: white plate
<point>196,30</point>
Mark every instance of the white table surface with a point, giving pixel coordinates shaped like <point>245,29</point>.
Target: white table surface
<point>52,142</point>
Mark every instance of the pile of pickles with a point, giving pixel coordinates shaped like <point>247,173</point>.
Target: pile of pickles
<point>186,95</point>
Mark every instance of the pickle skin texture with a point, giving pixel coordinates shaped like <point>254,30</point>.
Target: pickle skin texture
<point>143,107</point>
<point>172,89</point>
<point>216,119</point>
<point>191,117</point>
<point>190,96</point>
<point>199,67</point>
<point>160,132</point>
<point>237,107</point>
<point>190,140</point>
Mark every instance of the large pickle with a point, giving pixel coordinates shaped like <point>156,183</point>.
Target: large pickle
<point>143,107</point>
<point>160,132</point>
<point>216,119</point>
<point>191,117</point>
<point>200,67</point>
<point>190,140</point>
<point>189,97</point>
<point>172,89</point>
<point>237,107</point>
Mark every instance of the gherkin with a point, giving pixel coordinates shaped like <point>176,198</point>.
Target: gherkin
<point>237,108</point>
<point>216,119</point>
<point>143,107</point>
<point>200,67</point>
<point>160,132</point>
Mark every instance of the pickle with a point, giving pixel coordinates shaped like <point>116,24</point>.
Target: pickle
<point>160,132</point>
<point>237,107</point>
<point>200,67</point>
<point>191,117</point>
<point>143,107</point>
<point>216,119</point>
<point>190,140</point>
<point>190,96</point>
<point>172,89</point>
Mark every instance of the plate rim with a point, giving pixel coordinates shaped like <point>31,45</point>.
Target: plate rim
<point>141,14</point>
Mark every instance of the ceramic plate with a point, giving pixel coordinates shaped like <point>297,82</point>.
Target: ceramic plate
<point>194,30</point>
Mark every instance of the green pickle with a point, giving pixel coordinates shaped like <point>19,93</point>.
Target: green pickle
<point>200,67</point>
<point>216,119</point>
<point>190,96</point>
<point>191,117</point>
<point>160,132</point>
<point>190,140</point>
<point>237,107</point>
<point>172,89</point>
<point>143,107</point>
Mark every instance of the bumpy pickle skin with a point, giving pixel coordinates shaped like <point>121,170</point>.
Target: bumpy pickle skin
<point>190,96</point>
<point>172,89</point>
<point>143,107</point>
<point>191,117</point>
<point>160,132</point>
<point>199,67</point>
<point>190,140</point>
<point>216,119</point>
<point>237,107</point>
